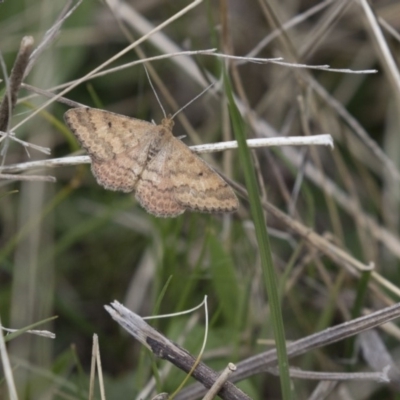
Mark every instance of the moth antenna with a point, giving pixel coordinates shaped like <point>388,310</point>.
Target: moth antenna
<point>194,99</point>
<point>154,91</point>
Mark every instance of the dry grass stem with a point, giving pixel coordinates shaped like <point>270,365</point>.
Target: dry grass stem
<point>337,376</point>
<point>46,334</point>
<point>163,348</point>
<point>51,35</point>
<point>30,178</point>
<point>112,59</point>
<point>389,63</point>
<point>261,362</point>
<point>317,140</point>
<point>216,387</point>
<point>7,369</point>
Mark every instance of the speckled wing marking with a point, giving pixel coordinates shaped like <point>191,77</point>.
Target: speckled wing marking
<point>154,190</point>
<point>129,154</point>
<point>195,185</point>
<point>118,145</point>
<point>177,179</point>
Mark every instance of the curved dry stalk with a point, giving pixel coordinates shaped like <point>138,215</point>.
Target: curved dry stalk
<point>110,71</point>
<point>195,3</point>
<point>263,361</point>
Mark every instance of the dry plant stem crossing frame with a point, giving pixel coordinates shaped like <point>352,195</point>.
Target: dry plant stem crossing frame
<point>109,61</point>
<point>50,92</point>
<point>316,140</point>
<point>167,350</point>
<point>381,376</point>
<point>322,244</point>
<point>163,348</point>
<point>263,361</point>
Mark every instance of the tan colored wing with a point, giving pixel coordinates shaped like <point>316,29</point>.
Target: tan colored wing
<point>104,134</point>
<point>118,145</point>
<point>154,189</point>
<point>120,173</point>
<point>129,154</point>
<point>195,185</point>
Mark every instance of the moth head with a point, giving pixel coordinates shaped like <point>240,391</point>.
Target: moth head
<point>167,123</point>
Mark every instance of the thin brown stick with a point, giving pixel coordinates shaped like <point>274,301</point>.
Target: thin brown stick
<point>50,95</point>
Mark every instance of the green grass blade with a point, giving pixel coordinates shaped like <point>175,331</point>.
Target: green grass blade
<point>263,241</point>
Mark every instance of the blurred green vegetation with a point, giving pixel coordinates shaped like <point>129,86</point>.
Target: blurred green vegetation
<point>69,248</point>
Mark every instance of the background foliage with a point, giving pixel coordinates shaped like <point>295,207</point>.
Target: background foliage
<point>71,247</point>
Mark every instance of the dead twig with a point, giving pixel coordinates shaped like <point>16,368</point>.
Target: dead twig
<point>263,361</point>
<point>163,348</point>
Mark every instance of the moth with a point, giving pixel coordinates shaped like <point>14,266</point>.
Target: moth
<point>132,155</point>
